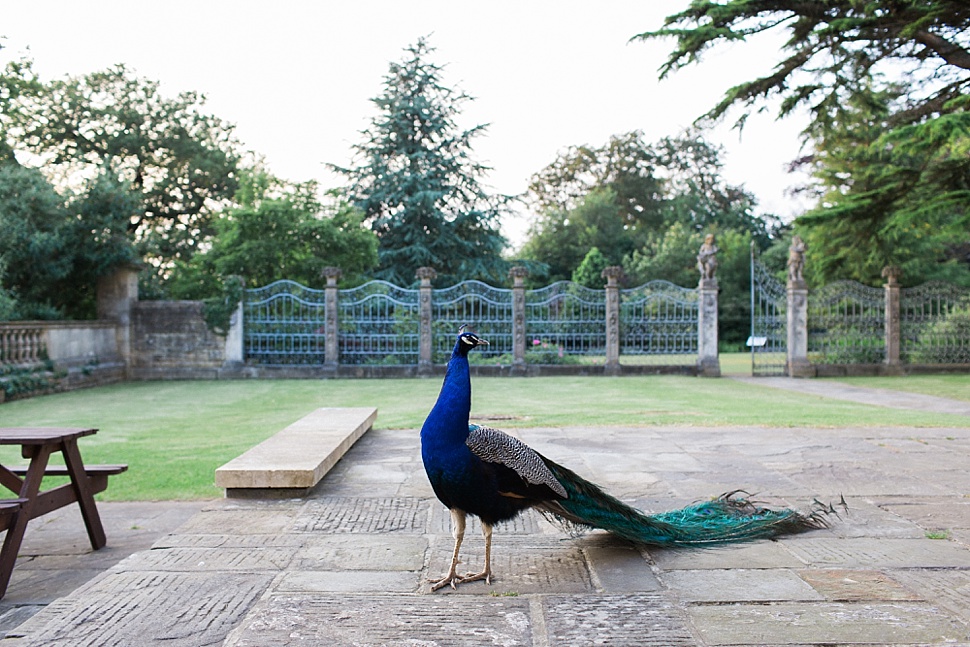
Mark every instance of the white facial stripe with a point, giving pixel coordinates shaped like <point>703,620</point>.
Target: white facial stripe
<point>467,340</point>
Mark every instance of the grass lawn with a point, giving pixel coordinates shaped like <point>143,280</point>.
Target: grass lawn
<point>174,434</point>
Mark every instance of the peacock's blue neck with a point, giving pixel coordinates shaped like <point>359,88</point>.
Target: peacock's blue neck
<point>448,421</point>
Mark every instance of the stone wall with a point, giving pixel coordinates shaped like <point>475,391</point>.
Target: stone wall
<point>47,356</point>
<point>80,343</point>
<point>170,340</point>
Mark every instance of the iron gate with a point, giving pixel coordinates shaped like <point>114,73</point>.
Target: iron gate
<point>769,322</point>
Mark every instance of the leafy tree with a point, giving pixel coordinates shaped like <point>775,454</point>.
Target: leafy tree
<point>181,163</point>
<point>562,240</point>
<point>590,271</point>
<point>277,236</point>
<point>670,255</point>
<point>697,194</point>
<point>906,194</point>
<point>834,49</point>
<point>97,235</point>
<point>32,215</point>
<point>625,165</point>
<point>886,83</point>
<point>674,182</point>
<point>54,249</point>
<point>417,184</point>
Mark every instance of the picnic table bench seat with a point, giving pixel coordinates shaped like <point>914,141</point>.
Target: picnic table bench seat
<point>292,461</point>
<point>8,508</point>
<point>97,480</point>
<point>61,470</point>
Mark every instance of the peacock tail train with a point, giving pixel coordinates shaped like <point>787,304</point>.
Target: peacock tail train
<point>728,518</point>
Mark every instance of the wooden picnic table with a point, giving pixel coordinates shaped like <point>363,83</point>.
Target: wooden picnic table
<point>38,444</point>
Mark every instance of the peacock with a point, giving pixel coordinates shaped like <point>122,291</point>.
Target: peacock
<point>480,471</point>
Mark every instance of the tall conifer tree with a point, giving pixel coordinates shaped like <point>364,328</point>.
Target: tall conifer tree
<point>418,185</point>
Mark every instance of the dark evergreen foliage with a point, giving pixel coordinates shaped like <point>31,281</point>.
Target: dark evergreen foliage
<point>417,183</point>
<point>887,84</point>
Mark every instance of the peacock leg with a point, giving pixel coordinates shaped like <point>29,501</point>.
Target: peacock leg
<point>486,573</point>
<point>458,532</point>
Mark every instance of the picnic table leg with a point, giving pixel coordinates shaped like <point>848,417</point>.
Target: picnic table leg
<point>15,533</point>
<point>85,496</point>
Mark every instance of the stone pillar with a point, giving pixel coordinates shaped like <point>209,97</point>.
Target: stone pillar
<point>235,338</point>
<point>612,275</point>
<point>425,338</point>
<point>117,293</point>
<point>331,324</point>
<point>518,275</point>
<point>893,333</point>
<point>708,360</point>
<point>797,362</point>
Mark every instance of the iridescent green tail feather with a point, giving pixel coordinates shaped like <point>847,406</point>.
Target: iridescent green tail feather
<point>728,518</point>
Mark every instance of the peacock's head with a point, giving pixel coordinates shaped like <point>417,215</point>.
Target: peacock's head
<point>467,340</point>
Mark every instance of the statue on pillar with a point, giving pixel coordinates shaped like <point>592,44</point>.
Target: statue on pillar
<point>612,274</point>
<point>331,274</point>
<point>426,274</point>
<point>796,260</point>
<point>892,273</point>
<point>518,274</point>
<point>707,258</point>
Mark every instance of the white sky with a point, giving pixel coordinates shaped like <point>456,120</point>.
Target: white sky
<point>296,77</point>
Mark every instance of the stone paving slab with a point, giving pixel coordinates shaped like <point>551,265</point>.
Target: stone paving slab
<point>243,520</point>
<point>146,608</point>
<point>518,566</point>
<point>373,582</point>
<point>949,588</point>
<point>880,553</point>
<point>620,568</point>
<point>739,585</point>
<point>443,621</point>
<point>803,623</point>
<point>845,585</point>
<point>770,554</point>
<point>364,515</point>
<point>323,552</point>
<point>56,557</point>
<point>219,560</point>
<point>933,514</point>
<point>615,620</point>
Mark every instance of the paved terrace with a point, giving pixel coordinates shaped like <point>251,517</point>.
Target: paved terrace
<point>348,565</point>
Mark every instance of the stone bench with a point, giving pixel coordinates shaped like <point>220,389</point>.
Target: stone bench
<point>291,462</point>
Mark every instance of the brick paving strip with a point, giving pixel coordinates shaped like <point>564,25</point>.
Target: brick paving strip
<point>349,564</point>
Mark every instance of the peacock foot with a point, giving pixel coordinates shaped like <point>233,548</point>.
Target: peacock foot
<point>453,579</point>
<point>450,578</point>
<point>474,577</point>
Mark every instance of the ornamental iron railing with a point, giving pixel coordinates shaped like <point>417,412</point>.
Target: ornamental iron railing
<point>378,324</point>
<point>488,308</point>
<point>284,324</point>
<point>934,324</point>
<point>846,324</point>
<point>565,319</point>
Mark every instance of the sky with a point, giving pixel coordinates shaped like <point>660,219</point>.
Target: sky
<point>297,77</point>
